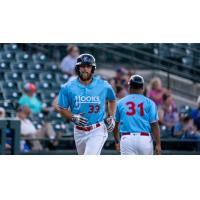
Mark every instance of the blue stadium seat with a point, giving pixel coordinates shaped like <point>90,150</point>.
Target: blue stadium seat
<point>5,66</point>
<point>187,61</point>
<point>2,75</point>
<point>1,96</point>
<point>35,67</point>
<point>7,105</point>
<point>12,48</point>
<point>13,76</point>
<point>55,86</point>
<point>9,85</point>
<point>60,127</point>
<point>55,116</point>
<point>37,117</point>
<point>51,67</point>
<point>39,58</point>
<point>37,124</point>
<point>6,57</point>
<point>18,66</point>
<point>46,95</point>
<point>44,86</point>
<point>12,95</point>
<point>48,77</point>
<point>31,76</point>
<point>22,57</point>
<point>62,78</point>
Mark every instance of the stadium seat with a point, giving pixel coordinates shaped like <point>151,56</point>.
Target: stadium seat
<point>189,52</point>
<point>177,52</point>
<point>48,95</point>
<point>62,78</point>
<point>5,66</point>
<point>37,117</point>
<point>10,48</point>
<point>57,127</point>
<point>44,86</point>
<point>51,67</point>
<point>61,128</point>
<point>12,95</point>
<point>187,61</point>
<point>6,57</point>
<point>7,105</point>
<point>39,58</point>
<point>31,76</point>
<point>48,77</point>
<point>35,66</point>
<point>37,124</point>
<point>13,76</point>
<point>22,57</point>
<point>55,116</point>
<point>9,85</point>
<point>1,96</point>
<point>55,86</point>
<point>39,95</point>
<point>18,66</point>
<point>2,74</point>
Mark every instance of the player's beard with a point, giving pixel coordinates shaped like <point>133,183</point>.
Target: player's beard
<point>84,76</point>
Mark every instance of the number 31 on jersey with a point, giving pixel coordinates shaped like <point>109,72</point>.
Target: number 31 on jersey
<point>131,108</point>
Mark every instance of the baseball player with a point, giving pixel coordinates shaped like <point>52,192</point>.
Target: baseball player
<point>136,118</point>
<point>83,101</point>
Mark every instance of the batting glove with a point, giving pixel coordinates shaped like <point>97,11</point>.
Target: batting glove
<point>110,123</point>
<point>79,120</point>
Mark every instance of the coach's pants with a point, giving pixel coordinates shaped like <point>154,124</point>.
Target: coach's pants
<point>90,142</point>
<point>136,144</point>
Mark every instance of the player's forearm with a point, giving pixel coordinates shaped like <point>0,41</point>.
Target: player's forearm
<point>116,132</point>
<point>156,132</point>
<point>66,113</point>
<point>111,108</point>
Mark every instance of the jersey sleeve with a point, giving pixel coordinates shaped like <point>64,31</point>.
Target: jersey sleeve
<point>153,112</point>
<point>63,98</point>
<point>117,115</point>
<point>110,93</point>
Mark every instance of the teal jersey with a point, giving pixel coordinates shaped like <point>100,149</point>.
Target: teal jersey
<point>90,99</point>
<point>32,102</point>
<point>135,113</point>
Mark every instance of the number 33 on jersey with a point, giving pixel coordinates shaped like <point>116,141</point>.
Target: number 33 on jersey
<point>135,113</point>
<point>90,100</point>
